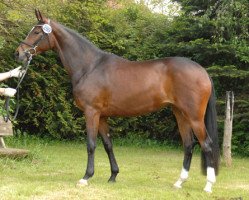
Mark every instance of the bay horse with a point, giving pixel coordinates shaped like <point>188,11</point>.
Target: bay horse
<point>106,85</point>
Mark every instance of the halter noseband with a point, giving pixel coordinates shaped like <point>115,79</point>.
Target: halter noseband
<point>46,29</point>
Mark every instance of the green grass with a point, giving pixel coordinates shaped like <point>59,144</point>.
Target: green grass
<point>53,168</point>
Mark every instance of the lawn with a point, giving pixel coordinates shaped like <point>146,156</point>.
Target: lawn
<point>53,168</point>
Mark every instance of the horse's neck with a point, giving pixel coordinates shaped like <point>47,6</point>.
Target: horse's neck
<point>77,56</point>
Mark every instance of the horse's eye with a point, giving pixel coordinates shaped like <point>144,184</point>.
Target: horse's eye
<point>37,32</point>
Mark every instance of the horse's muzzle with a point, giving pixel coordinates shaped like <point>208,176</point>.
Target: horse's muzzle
<point>20,56</point>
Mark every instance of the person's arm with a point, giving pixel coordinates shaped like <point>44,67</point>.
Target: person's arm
<point>10,92</point>
<point>5,75</point>
<point>17,72</point>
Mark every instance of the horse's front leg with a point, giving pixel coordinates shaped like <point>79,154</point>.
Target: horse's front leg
<point>92,124</point>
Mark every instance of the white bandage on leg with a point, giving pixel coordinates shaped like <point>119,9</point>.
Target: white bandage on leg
<point>211,175</point>
<point>211,179</point>
<point>184,174</point>
<point>182,179</point>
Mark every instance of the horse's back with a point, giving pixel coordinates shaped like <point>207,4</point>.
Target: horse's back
<point>169,73</point>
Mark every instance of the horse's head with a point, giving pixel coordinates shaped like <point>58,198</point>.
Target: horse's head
<point>39,39</point>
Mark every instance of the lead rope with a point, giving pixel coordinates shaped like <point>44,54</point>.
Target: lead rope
<point>6,106</point>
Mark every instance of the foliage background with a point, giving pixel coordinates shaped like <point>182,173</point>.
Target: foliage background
<point>212,33</point>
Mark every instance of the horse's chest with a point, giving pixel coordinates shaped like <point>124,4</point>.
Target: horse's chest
<point>93,95</point>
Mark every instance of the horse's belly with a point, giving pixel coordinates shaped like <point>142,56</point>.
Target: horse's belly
<point>135,105</point>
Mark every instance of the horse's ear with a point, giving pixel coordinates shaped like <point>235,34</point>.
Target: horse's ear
<point>41,17</point>
<point>37,14</point>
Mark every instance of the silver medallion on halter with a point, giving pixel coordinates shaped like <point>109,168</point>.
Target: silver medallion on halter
<point>46,28</point>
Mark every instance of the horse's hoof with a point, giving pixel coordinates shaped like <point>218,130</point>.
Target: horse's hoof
<point>82,183</point>
<point>111,181</point>
<point>208,187</point>
<point>177,186</point>
<point>208,191</point>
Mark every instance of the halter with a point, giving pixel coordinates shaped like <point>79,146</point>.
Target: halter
<point>46,30</point>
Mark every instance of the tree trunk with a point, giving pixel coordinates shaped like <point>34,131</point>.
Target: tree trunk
<point>228,127</point>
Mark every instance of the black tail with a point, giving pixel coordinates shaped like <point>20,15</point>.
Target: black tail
<point>212,131</point>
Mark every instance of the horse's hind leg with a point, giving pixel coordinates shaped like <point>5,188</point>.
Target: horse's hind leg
<point>188,142</point>
<point>205,141</point>
<point>104,132</point>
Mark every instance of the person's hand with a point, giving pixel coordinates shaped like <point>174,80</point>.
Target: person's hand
<point>17,72</point>
<point>10,92</point>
